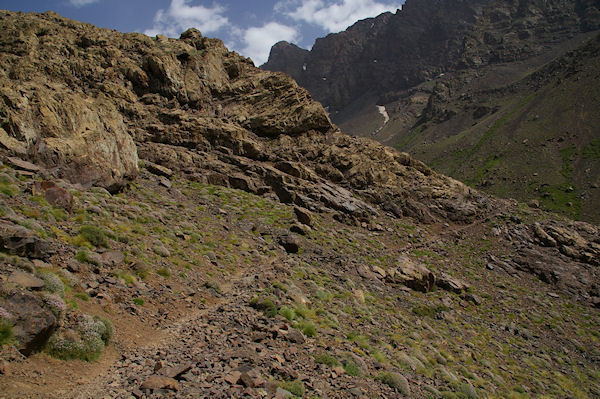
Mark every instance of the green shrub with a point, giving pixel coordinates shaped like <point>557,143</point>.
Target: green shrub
<point>280,286</point>
<point>94,235</point>
<point>80,241</point>
<point>295,387</point>
<point>213,285</point>
<point>56,304</point>
<point>138,301</point>
<point>379,356</point>
<point>107,331</point>
<point>287,312</point>
<point>53,283</point>
<point>164,272</point>
<point>429,311</point>
<point>58,213</point>
<point>87,343</point>
<point>126,277</point>
<point>448,395</point>
<point>396,381</point>
<point>351,368</point>
<point>85,256</point>
<point>327,360</point>
<point>468,390</point>
<point>8,189</point>
<point>71,303</point>
<point>308,329</point>
<point>82,295</point>
<point>66,348</point>
<point>265,305</point>
<point>7,337</point>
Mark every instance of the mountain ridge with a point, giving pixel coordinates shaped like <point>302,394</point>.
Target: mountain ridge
<point>496,45</point>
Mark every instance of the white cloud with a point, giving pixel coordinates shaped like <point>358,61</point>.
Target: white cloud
<point>181,16</point>
<point>81,3</point>
<point>334,17</point>
<point>259,40</point>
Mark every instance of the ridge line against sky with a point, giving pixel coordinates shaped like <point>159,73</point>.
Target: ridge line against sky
<point>250,28</point>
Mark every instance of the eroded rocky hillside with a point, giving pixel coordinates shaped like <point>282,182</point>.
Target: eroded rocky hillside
<point>177,223</point>
<point>474,89</point>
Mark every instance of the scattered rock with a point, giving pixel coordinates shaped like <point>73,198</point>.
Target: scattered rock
<point>474,299</point>
<point>251,379</point>
<point>55,195</point>
<point>300,229</point>
<point>12,144</point>
<point>304,216</point>
<point>289,243</point>
<point>17,240</point>
<point>155,382</point>
<point>450,283</point>
<point>233,378</point>
<point>112,258</point>
<point>379,271</point>
<point>176,371</point>
<point>413,275</point>
<point>165,183</point>
<point>158,169</point>
<point>543,236</point>
<point>161,250</point>
<point>3,367</point>
<point>294,335</point>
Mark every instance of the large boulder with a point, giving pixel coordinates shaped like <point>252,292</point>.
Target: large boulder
<point>412,274</point>
<point>33,323</point>
<point>19,241</point>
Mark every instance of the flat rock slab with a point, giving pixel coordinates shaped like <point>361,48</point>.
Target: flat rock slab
<point>158,170</point>
<point>26,280</point>
<point>176,371</point>
<point>160,382</point>
<point>23,165</point>
<point>112,258</point>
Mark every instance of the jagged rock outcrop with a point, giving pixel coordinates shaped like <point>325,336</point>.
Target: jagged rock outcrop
<point>192,106</point>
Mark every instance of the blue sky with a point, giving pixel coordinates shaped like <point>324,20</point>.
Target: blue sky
<point>248,27</point>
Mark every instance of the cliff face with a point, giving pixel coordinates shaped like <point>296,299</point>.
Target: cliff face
<point>200,228</point>
<point>393,52</point>
<point>446,71</point>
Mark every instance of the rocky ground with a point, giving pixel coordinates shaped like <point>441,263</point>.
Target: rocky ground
<point>206,300</point>
<point>236,244</point>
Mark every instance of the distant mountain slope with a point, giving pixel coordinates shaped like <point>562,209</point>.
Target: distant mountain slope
<point>444,52</point>
<point>538,139</point>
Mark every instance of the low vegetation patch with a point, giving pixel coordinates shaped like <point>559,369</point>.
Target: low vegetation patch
<point>85,342</point>
<point>6,333</point>
<point>94,235</point>
<point>327,360</point>
<point>295,387</point>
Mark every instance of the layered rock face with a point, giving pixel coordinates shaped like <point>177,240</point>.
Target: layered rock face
<point>79,99</point>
